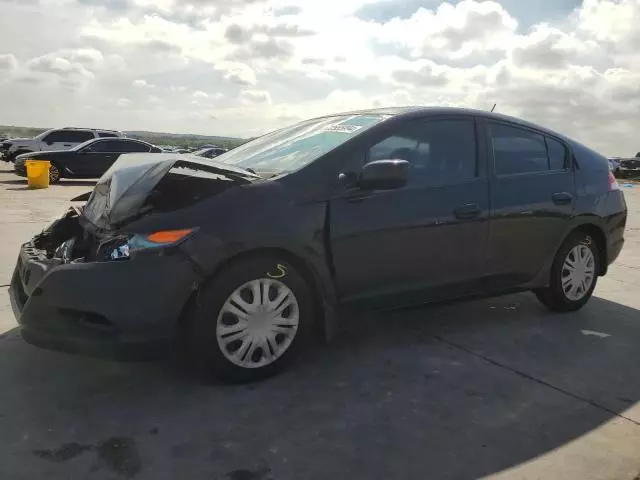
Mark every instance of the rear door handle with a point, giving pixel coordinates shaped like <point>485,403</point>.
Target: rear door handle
<point>562,198</point>
<point>467,211</point>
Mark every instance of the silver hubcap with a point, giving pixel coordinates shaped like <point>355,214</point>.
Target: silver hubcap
<point>578,272</point>
<point>257,323</point>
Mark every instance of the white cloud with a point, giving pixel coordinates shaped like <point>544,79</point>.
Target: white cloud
<point>255,96</point>
<point>238,73</point>
<point>252,66</point>
<point>8,62</point>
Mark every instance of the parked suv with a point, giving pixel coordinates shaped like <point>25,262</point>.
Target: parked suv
<point>56,139</point>
<point>246,256</point>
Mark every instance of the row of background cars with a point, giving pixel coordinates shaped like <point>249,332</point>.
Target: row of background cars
<point>625,167</point>
<point>83,152</point>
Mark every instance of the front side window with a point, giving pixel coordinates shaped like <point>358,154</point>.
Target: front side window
<point>76,136</point>
<point>55,137</point>
<point>439,152</point>
<point>517,151</point>
<point>102,146</point>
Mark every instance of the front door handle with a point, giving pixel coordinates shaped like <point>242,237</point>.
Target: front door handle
<point>467,211</point>
<point>562,198</point>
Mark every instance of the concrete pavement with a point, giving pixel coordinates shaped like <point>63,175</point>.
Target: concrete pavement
<point>498,388</point>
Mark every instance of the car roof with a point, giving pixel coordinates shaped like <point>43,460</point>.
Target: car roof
<point>422,111</point>
<point>89,129</point>
<point>121,139</point>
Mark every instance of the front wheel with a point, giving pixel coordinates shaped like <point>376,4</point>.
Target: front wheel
<point>54,174</point>
<point>251,321</point>
<point>573,275</point>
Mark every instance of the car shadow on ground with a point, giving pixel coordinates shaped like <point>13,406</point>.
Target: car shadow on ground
<point>446,392</point>
<point>62,183</point>
<point>18,181</point>
<point>76,183</point>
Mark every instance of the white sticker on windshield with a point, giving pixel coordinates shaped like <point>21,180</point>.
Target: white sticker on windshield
<point>342,128</point>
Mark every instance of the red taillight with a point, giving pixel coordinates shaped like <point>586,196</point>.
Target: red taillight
<point>613,183</point>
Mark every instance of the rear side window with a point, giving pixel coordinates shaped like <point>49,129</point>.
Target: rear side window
<point>557,154</point>
<point>106,134</point>
<point>517,151</point>
<point>127,146</point>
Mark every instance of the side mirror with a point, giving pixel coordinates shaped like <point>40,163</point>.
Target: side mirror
<point>384,175</point>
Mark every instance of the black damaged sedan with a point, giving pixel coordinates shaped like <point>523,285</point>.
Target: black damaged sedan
<point>246,257</point>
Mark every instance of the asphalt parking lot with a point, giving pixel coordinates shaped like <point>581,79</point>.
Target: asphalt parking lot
<point>497,388</point>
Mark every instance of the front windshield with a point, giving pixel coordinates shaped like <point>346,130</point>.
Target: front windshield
<point>294,147</point>
<point>43,134</point>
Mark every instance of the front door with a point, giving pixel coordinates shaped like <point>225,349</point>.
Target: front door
<point>532,196</point>
<point>426,239</point>
<point>96,158</point>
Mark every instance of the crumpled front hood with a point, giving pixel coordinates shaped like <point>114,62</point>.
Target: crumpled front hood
<point>124,191</point>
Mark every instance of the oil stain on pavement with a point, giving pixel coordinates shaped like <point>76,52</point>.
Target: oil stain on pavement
<point>119,454</point>
<point>67,451</point>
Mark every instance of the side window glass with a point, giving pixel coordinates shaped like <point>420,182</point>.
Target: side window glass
<point>440,152</point>
<point>127,146</point>
<point>557,154</point>
<point>103,146</point>
<point>53,137</point>
<point>76,136</point>
<point>517,151</point>
<point>106,134</point>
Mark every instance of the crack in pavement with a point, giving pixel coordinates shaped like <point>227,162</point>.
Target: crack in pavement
<point>532,378</point>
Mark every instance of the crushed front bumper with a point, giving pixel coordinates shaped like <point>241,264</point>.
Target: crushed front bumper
<point>122,309</point>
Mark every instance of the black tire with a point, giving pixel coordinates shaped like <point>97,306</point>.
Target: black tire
<point>203,347</point>
<point>55,174</point>
<point>553,297</point>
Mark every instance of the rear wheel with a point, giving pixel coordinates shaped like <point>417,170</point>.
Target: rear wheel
<point>573,275</point>
<point>54,174</point>
<point>251,321</point>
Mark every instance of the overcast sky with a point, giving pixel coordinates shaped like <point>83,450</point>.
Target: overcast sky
<point>243,67</point>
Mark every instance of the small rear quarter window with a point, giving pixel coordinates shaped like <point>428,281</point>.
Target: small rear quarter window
<point>557,154</point>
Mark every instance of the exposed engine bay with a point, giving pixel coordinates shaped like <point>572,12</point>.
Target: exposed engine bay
<point>67,241</point>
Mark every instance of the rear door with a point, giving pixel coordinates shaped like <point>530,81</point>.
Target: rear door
<point>532,197</point>
<point>423,240</point>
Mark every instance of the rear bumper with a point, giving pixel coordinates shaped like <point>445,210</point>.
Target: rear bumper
<point>126,310</point>
<point>615,225</point>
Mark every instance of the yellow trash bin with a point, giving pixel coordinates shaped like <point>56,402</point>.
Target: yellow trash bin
<point>38,173</point>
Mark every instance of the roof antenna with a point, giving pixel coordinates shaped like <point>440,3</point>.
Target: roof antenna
<point>494,107</point>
